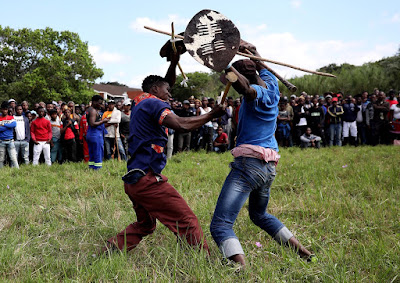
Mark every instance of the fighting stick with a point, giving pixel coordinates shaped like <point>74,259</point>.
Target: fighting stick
<point>254,57</point>
<point>231,78</point>
<point>173,36</point>
<point>289,85</point>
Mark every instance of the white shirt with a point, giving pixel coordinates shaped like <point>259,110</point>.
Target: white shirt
<point>20,128</point>
<point>396,111</point>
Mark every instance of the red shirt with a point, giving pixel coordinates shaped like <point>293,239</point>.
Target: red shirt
<point>41,130</point>
<point>223,138</point>
<point>69,134</point>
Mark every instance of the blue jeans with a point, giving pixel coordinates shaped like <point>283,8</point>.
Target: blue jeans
<point>12,153</point>
<point>249,178</point>
<point>335,133</point>
<point>22,146</point>
<point>56,151</point>
<point>109,145</point>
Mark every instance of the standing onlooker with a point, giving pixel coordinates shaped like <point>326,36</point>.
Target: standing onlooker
<point>283,130</point>
<point>83,127</point>
<point>41,135</point>
<point>56,147</point>
<point>25,107</point>
<point>184,138</point>
<point>95,133</point>
<point>349,121</point>
<point>335,113</point>
<point>380,122</point>
<point>124,125</point>
<point>206,131</point>
<point>316,118</point>
<point>112,139</point>
<point>7,125</point>
<point>69,131</point>
<point>22,134</point>
<point>12,104</point>
<point>300,119</point>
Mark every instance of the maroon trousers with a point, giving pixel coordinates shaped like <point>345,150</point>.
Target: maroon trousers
<point>154,198</point>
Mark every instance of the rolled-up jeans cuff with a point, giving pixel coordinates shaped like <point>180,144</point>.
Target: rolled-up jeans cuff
<point>283,235</point>
<point>231,247</point>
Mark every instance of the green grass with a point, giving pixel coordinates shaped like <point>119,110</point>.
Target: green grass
<point>53,219</point>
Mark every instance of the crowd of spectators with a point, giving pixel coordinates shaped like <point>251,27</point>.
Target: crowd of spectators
<point>56,131</point>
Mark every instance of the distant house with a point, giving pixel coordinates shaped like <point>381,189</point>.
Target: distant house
<point>115,92</point>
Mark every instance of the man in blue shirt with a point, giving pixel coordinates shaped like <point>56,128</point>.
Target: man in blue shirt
<point>152,196</point>
<point>256,155</point>
<point>7,125</point>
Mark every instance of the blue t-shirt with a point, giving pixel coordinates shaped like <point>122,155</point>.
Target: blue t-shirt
<point>148,137</point>
<point>257,118</point>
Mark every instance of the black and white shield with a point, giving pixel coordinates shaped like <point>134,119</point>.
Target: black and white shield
<point>212,39</point>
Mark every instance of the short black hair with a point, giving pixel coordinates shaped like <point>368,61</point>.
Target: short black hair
<point>41,108</point>
<point>152,80</point>
<point>4,105</point>
<point>52,111</point>
<point>97,98</point>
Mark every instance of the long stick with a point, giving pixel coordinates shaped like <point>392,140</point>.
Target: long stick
<point>254,57</point>
<point>175,50</point>
<point>288,84</point>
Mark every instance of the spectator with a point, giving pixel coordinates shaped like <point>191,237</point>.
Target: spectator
<point>25,107</point>
<point>69,131</point>
<point>41,134</point>
<point>310,140</point>
<point>335,113</point>
<point>55,144</point>
<point>7,126</point>
<point>380,122</point>
<point>83,127</point>
<point>22,134</point>
<point>119,105</point>
<point>74,116</point>
<point>349,121</point>
<point>300,119</point>
<point>95,133</point>
<point>124,125</point>
<point>316,118</point>
<point>283,135</point>
<point>221,142</point>
<point>184,138</point>
<point>112,139</point>
<point>49,106</point>
<point>12,104</point>
<point>206,133</point>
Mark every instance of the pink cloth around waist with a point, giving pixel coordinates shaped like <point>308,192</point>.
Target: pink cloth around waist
<point>255,151</point>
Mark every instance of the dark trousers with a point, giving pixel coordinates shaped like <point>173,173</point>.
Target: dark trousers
<point>362,133</point>
<point>69,150</point>
<point>379,132</point>
<point>154,198</point>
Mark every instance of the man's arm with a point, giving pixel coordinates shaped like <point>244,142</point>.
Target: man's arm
<point>242,85</point>
<point>92,119</point>
<point>185,124</point>
<point>170,77</point>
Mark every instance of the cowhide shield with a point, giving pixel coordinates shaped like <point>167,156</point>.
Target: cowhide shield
<point>212,39</point>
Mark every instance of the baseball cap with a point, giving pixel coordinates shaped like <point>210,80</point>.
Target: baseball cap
<point>186,102</point>
<point>293,96</point>
<point>111,101</point>
<point>335,99</point>
<point>33,112</point>
<point>11,100</point>
<point>246,67</point>
<point>328,96</point>
<point>127,102</point>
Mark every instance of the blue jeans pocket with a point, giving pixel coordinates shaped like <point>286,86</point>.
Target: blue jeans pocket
<point>133,176</point>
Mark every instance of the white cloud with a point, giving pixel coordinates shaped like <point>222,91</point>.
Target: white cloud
<point>161,24</point>
<point>285,47</point>
<point>395,18</point>
<point>104,57</point>
<point>295,3</point>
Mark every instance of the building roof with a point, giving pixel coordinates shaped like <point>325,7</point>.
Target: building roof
<point>114,89</point>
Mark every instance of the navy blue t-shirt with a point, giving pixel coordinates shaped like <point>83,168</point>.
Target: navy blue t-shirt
<point>148,137</point>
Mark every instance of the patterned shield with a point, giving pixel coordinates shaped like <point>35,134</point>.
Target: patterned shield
<point>212,39</point>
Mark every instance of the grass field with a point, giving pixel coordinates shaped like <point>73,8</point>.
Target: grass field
<point>341,203</point>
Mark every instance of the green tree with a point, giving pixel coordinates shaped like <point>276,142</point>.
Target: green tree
<point>44,64</point>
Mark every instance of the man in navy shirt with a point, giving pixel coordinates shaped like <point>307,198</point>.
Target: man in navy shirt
<point>152,196</point>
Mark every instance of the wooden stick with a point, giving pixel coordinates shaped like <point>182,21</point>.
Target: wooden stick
<point>231,78</point>
<point>286,65</point>
<point>289,85</point>
<point>174,48</point>
<point>255,57</point>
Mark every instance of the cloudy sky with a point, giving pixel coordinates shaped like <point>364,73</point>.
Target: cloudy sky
<point>306,33</point>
